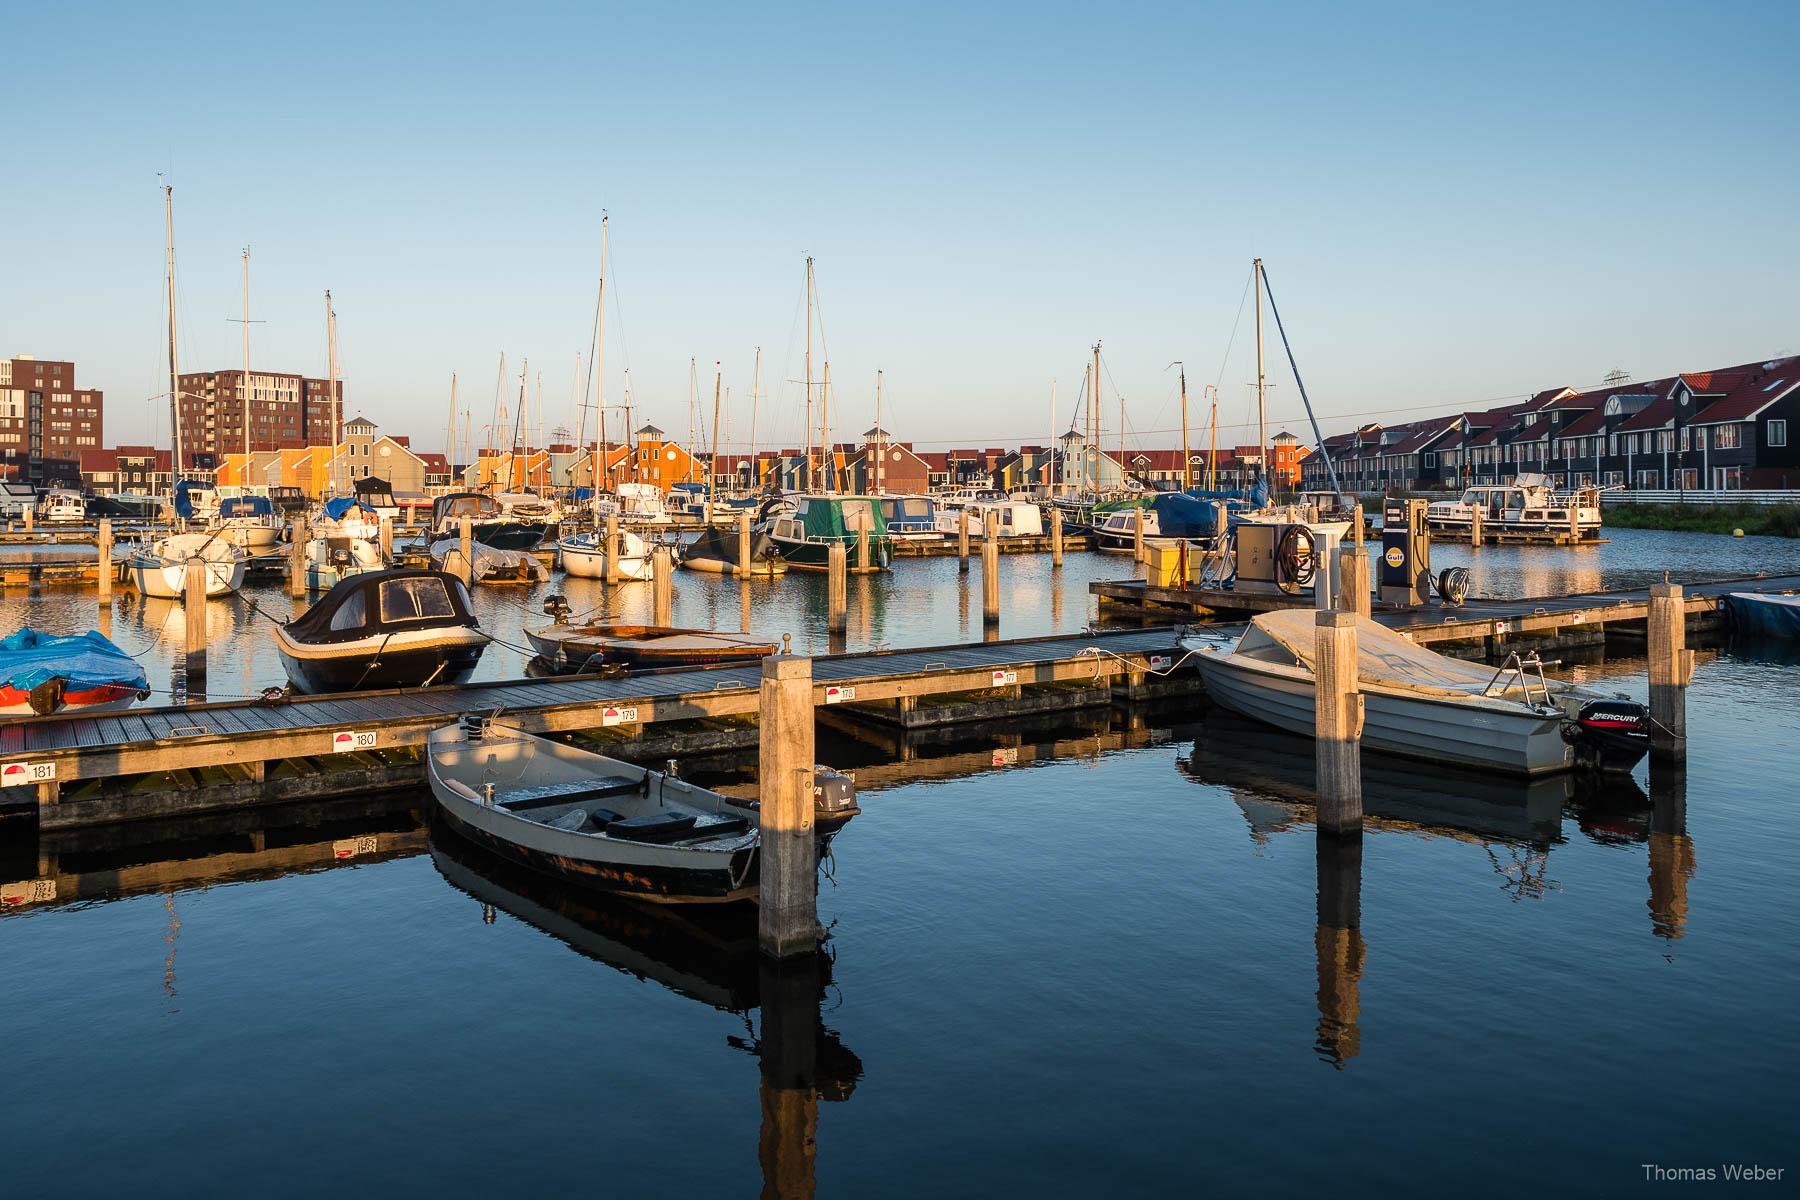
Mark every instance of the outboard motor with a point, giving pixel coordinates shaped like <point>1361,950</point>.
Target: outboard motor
<point>834,797</point>
<point>474,727</point>
<point>1609,735</point>
<point>556,606</point>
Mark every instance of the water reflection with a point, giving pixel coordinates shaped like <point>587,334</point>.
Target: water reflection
<point>1671,850</point>
<point>708,954</point>
<point>1337,940</point>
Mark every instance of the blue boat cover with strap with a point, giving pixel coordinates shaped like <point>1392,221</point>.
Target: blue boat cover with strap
<point>29,658</point>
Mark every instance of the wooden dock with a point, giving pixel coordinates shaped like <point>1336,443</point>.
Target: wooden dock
<point>152,762</point>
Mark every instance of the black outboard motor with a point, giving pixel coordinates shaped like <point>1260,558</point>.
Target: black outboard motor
<point>1609,735</point>
<point>834,798</point>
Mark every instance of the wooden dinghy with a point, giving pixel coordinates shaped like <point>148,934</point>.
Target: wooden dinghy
<point>641,647</point>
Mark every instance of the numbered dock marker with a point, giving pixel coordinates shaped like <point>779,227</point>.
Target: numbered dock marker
<point>1159,662</point>
<point>837,695</point>
<point>15,774</point>
<point>619,716</point>
<point>351,847</point>
<point>1005,677</point>
<point>1006,757</point>
<point>1499,626</point>
<point>353,739</point>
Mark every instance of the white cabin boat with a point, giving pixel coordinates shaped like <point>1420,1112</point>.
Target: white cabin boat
<point>1012,518</point>
<point>159,567</point>
<point>60,507</point>
<point>1527,504</point>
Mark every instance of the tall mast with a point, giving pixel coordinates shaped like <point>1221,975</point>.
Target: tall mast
<point>1094,414</point>
<point>331,389</point>
<point>827,460</point>
<point>1187,470</point>
<point>540,434</point>
<point>450,442</point>
<point>244,475</point>
<point>1262,429</point>
<point>880,439</point>
<point>1054,468</point>
<point>755,391</point>
<point>712,463</point>
<point>809,300</point>
<point>174,368</point>
<point>519,429</point>
<point>1212,461</point>
<point>691,446</point>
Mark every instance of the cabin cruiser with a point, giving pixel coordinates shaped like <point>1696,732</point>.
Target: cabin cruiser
<point>1012,518</point>
<point>248,521</point>
<point>383,629</point>
<point>584,555</point>
<point>963,497</point>
<point>491,526</point>
<point>805,535</point>
<point>1115,527</point>
<point>61,507</point>
<point>528,507</point>
<point>41,674</point>
<point>348,517</point>
<point>377,495</point>
<point>604,823</point>
<point>1422,705</point>
<point>911,518</point>
<point>1528,504</point>
<point>634,504</point>
<point>159,567</point>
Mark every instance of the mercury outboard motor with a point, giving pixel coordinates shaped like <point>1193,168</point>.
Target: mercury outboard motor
<point>834,797</point>
<point>1609,735</point>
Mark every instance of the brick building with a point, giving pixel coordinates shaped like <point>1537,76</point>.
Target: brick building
<point>46,421</point>
<point>286,412</point>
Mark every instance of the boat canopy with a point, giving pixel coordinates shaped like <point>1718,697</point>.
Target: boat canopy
<point>1383,657</point>
<point>908,508</point>
<point>29,659</point>
<point>184,498</point>
<point>838,518</point>
<point>721,545</point>
<point>378,490</point>
<point>246,506</point>
<point>463,504</point>
<point>382,602</point>
<point>1183,515</point>
<point>342,506</point>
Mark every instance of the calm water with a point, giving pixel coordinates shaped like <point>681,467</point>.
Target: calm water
<point>1075,956</point>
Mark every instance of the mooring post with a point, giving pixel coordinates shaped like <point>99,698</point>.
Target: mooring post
<point>1475,513</point>
<point>387,541</point>
<point>1137,536</point>
<point>465,542</point>
<point>743,524</point>
<point>787,913</point>
<point>862,543</point>
<point>962,541</point>
<point>1574,519</point>
<point>612,548</point>
<point>1354,578</point>
<point>1056,546</point>
<point>297,559</point>
<point>662,573</point>
<point>106,561</point>
<point>1356,525</point>
<point>193,600</point>
<point>1337,724</point>
<point>837,561</point>
<point>1671,666</point>
<point>990,569</point>
<point>30,516</point>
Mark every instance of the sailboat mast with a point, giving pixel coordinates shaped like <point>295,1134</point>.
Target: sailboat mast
<point>691,445</point>
<point>174,367</point>
<point>809,303</point>
<point>1187,468</point>
<point>599,364</point>
<point>331,386</point>
<point>755,392</point>
<point>880,440</point>
<point>1094,415</point>
<point>827,460</point>
<point>1053,473</point>
<point>1262,428</point>
<point>244,475</point>
<point>1212,462</point>
<point>519,429</point>
<point>712,462</point>
<point>450,441</point>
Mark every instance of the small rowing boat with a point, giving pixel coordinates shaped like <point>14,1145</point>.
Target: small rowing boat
<point>641,647</point>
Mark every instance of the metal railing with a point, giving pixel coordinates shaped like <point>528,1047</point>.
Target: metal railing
<point>1702,496</point>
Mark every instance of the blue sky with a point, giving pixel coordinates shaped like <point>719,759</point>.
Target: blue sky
<point>1455,204</point>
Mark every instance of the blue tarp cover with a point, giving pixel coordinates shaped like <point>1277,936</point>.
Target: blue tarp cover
<point>337,509</point>
<point>245,506</point>
<point>184,505</point>
<point>29,658</point>
<point>1184,515</point>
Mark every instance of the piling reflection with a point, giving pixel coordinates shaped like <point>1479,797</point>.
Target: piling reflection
<point>1671,850</point>
<point>1339,946</point>
<point>708,954</point>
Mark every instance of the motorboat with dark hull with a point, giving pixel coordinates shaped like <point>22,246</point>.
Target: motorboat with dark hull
<point>1420,704</point>
<point>601,822</point>
<point>490,524</point>
<point>383,629</point>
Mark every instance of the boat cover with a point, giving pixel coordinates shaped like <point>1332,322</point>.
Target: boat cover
<point>245,506</point>
<point>29,658</point>
<point>1183,515</point>
<point>489,561</point>
<point>1383,657</point>
<point>825,518</point>
<point>381,602</point>
<point>184,501</point>
<point>722,545</point>
<point>1767,614</point>
<point>337,508</point>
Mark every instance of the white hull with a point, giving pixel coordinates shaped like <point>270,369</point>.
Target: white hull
<point>1463,733</point>
<point>160,567</point>
<point>253,538</point>
<point>584,561</point>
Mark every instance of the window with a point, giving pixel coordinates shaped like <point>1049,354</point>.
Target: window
<point>1777,433</point>
<point>414,599</point>
<point>1430,461</point>
<point>1725,437</point>
<point>352,613</point>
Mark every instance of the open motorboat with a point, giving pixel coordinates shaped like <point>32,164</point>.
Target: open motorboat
<point>248,521</point>
<point>1423,705</point>
<point>489,523</point>
<point>159,567</point>
<point>604,823</point>
<point>715,551</point>
<point>42,674</point>
<point>383,629</point>
<point>584,555</point>
<point>568,647</point>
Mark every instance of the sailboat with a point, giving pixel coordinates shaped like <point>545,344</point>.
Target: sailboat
<point>158,567</point>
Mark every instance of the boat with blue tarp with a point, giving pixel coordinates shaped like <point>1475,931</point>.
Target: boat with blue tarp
<point>43,673</point>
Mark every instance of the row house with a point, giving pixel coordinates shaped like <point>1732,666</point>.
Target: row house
<point>138,469</point>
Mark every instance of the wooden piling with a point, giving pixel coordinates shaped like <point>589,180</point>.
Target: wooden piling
<point>1056,536</point>
<point>1137,536</point>
<point>662,574</point>
<point>787,914</point>
<point>30,517</point>
<point>106,561</point>
<point>962,541</point>
<point>387,541</point>
<point>743,563</point>
<point>465,543</point>
<point>1475,514</point>
<point>1356,525</point>
<point>612,548</point>
<point>837,561</point>
<point>1671,666</point>
<point>1354,579</point>
<point>862,544</point>
<point>297,559</point>
<point>990,570</point>
<point>193,600</point>
<point>1337,724</point>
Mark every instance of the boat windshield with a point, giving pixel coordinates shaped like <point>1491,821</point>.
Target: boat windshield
<point>907,506</point>
<point>413,599</point>
<point>856,512</point>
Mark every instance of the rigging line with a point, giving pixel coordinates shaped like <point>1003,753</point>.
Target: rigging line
<point>1292,366</point>
<point>1232,341</point>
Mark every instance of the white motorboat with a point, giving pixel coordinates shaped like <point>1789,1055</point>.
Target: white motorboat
<point>600,822</point>
<point>1423,705</point>
<point>1528,504</point>
<point>248,521</point>
<point>332,559</point>
<point>635,504</point>
<point>159,567</point>
<point>584,555</point>
<point>1012,518</point>
<point>59,506</point>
